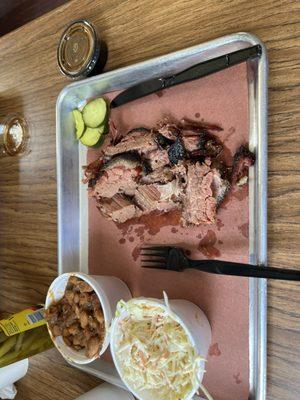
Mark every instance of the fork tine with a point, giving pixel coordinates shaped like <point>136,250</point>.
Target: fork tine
<point>159,257</point>
<point>154,258</point>
<point>154,251</point>
<point>154,255</point>
<point>151,264</point>
<point>156,248</point>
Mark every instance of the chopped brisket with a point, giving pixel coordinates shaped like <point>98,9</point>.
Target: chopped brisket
<point>191,143</point>
<point>174,166</point>
<point>220,186</point>
<point>162,141</point>
<point>212,147</point>
<point>224,171</point>
<point>168,130</point>
<point>201,144</point>
<point>207,146</point>
<point>146,169</point>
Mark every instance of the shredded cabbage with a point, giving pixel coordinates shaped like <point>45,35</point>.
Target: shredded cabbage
<point>154,351</point>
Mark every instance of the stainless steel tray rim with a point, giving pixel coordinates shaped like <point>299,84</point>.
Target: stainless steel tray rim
<point>257,289</point>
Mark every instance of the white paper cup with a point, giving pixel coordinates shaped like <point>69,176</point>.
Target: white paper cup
<point>190,317</point>
<point>13,372</point>
<point>106,392</point>
<point>109,291</point>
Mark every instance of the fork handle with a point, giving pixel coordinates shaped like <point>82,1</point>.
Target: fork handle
<point>238,269</point>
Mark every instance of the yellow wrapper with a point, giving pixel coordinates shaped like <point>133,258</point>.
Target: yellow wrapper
<point>23,321</point>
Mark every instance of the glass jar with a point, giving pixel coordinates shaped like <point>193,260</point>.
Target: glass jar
<point>14,135</point>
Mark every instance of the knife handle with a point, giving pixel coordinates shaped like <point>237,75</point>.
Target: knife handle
<point>213,65</point>
<point>243,55</point>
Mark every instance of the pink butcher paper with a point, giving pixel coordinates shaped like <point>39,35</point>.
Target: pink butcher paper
<point>221,98</point>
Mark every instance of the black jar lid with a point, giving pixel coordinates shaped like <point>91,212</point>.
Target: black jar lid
<point>79,50</point>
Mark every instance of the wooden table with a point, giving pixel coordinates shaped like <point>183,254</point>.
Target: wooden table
<point>135,31</point>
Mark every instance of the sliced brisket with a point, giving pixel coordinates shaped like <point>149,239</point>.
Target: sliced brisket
<point>166,174</point>
<point>157,159</point>
<point>160,175</point>
<point>118,208</point>
<point>117,176</point>
<point>174,166</point>
<point>158,197</point>
<point>137,140</point>
<point>199,205</point>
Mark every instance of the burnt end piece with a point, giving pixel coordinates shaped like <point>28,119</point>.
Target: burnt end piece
<point>242,160</point>
<point>176,151</point>
<point>201,143</point>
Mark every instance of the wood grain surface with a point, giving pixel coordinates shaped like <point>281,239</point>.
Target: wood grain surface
<point>135,31</point>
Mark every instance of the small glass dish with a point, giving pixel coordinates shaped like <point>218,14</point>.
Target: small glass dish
<point>14,135</point>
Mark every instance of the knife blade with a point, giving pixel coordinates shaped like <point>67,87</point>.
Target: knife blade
<point>195,72</point>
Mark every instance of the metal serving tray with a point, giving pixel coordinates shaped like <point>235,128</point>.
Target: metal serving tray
<point>72,196</point>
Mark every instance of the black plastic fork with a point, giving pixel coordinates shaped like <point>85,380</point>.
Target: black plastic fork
<point>174,259</point>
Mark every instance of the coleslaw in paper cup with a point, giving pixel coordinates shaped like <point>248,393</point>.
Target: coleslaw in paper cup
<point>159,347</point>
